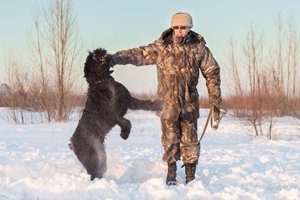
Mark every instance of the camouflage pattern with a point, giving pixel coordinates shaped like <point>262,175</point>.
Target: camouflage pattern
<point>183,131</point>
<point>178,71</point>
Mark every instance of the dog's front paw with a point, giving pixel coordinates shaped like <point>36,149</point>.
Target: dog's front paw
<point>125,133</point>
<point>124,136</point>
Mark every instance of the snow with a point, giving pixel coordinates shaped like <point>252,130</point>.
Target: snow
<point>36,163</point>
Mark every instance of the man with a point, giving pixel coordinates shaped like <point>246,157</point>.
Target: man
<point>179,53</point>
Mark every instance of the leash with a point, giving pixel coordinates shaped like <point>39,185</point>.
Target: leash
<point>209,118</point>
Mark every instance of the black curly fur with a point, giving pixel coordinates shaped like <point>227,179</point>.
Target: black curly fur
<point>107,103</point>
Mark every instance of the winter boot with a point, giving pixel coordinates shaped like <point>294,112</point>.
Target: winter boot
<point>171,177</point>
<point>190,170</point>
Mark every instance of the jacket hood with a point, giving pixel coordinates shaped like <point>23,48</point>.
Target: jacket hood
<point>193,37</point>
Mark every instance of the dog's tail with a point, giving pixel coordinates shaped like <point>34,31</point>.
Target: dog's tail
<point>138,104</point>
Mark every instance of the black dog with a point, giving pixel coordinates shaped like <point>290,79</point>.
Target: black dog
<point>107,102</point>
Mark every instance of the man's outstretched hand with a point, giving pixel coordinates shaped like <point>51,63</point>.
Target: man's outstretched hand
<point>110,60</point>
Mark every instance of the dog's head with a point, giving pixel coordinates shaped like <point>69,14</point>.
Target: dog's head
<point>97,66</point>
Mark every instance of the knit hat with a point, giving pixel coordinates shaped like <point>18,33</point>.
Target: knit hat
<point>182,19</point>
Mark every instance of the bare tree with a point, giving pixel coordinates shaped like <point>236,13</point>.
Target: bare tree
<point>253,52</point>
<point>279,52</point>
<point>293,56</point>
<point>38,51</point>
<point>56,47</point>
<point>17,79</point>
<point>45,99</point>
<point>234,69</point>
<point>256,104</point>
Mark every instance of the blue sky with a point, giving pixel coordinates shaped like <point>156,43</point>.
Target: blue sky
<point>120,24</point>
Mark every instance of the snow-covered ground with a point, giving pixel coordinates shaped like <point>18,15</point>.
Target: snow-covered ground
<point>36,163</point>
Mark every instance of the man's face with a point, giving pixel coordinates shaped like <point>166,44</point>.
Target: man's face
<point>181,31</point>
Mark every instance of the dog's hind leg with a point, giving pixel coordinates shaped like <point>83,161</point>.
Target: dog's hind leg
<point>97,161</point>
<point>125,125</point>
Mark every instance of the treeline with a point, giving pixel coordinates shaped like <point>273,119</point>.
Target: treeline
<point>48,83</point>
<point>264,71</point>
<point>265,75</point>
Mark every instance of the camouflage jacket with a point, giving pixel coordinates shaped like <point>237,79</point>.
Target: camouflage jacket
<point>178,67</point>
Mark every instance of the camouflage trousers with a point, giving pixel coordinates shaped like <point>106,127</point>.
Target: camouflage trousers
<point>180,139</point>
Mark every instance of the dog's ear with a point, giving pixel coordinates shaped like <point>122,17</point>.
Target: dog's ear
<point>90,59</point>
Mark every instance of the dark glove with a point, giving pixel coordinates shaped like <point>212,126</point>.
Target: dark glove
<point>216,112</point>
<point>110,60</point>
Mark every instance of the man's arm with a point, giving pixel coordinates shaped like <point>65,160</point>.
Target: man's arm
<point>211,72</point>
<point>144,55</point>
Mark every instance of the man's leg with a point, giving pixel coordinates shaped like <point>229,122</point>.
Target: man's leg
<point>171,145</point>
<point>190,147</point>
